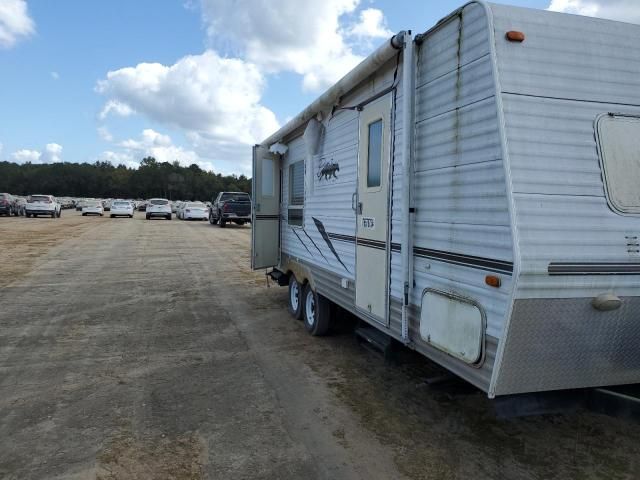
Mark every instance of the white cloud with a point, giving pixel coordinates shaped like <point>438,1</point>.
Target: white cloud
<point>284,35</point>
<point>15,22</point>
<point>55,75</point>
<point>215,100</point>
<point>157,145</point>
<point>25,155</point>
<point>372,24</point>
<point>52,153</point>
<point>119,158</point>
<point>116,108</point>
<point>149,138</point>
<point>105,134</point>
<point>622,10</point>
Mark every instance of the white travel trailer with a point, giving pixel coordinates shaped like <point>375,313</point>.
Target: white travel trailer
<point>473,192</point>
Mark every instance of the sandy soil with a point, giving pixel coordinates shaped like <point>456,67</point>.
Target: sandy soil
<point>149,350</point>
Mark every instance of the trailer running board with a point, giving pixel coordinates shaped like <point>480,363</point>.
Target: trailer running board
<point>375,340</point>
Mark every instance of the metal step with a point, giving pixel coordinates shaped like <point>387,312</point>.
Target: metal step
<point>279,277</point>
<point>375,340</point>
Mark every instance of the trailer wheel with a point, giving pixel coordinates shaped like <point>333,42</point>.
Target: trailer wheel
<point>294,305</point>
<point>317,312</point>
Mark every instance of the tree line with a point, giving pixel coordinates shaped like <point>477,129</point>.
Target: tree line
<point>104,180</point>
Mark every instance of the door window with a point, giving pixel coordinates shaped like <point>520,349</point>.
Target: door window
<point>267,177</point>
<point>374,155</point>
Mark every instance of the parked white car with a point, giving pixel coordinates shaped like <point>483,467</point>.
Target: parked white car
<point>42,205</point>
<point>92,207</point>
<point>195,211</point>
<point>158,207</point>
<point>121,208</point>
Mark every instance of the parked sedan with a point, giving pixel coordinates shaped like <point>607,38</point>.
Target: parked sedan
<point>121,208</point>
<point>92,208</point>
<point>194,211</point>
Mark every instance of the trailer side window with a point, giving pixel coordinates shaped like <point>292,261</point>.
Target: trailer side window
<point>296,193</point>
<point>374,155</point>
<point>619,146</point>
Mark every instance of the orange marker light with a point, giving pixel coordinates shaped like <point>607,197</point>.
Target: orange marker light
<point>493,281</point>
<point>515,36</point>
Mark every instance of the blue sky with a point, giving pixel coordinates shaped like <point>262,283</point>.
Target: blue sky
<point>194,80</point>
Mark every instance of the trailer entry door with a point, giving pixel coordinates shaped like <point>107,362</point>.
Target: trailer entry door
<point>265,214</point>
<point>372,209</point>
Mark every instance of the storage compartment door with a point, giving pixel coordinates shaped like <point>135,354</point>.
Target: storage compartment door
<point>265,214</point>
<point>453,324</point>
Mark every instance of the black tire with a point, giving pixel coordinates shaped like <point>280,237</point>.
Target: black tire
<point>295,310</point>
<point>212,220</point>
<point>28,215</point>
<point>317,315</point>
<point>53,215</point>
<point>148,217</point>
<point>111,216</point>
<point>130,216</point>
<point>169,217</point>
<point>222,222</point>
<point>59,214</point>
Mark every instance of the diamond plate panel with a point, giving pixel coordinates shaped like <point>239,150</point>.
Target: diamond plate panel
<point>555,344</point>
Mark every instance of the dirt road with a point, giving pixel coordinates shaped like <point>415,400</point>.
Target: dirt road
<point>135,349</point>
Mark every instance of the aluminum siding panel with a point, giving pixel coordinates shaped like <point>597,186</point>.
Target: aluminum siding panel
<point>330,202</point>
<point>568,71</point>
<point>459,183</point>
<point>567,56</point>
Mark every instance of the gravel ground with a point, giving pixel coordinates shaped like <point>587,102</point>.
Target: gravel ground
<point>149,350</point>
